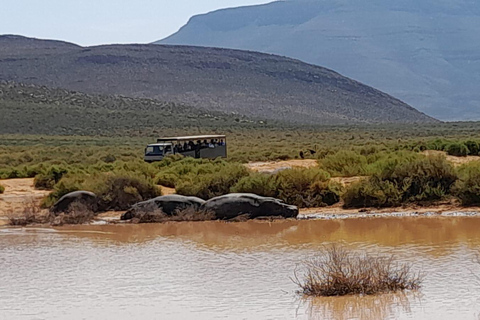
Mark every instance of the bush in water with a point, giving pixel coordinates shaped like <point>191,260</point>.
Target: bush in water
<point>338,272</point>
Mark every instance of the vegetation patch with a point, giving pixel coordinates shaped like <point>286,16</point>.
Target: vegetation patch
<point>467,188</point>
<point>212,184</point>
<point>2,189</point>
<point>425,179</point>
<point>338,272</point>
<point>115,191</point>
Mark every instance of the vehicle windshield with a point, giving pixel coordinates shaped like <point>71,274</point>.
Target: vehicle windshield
<point>154,150</point>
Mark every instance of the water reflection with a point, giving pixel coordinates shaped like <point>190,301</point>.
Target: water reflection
<point>383,306</point>
<point>387,232</point>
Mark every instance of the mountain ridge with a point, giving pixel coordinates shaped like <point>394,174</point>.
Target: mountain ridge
<point>425,52</point>
<point>249,83</point>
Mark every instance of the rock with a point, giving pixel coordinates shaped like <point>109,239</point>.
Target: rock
<point>87,198</point>
<point>167,204</point>
<point>232,205</point>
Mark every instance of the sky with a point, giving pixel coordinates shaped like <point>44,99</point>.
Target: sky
<point>93,22</point>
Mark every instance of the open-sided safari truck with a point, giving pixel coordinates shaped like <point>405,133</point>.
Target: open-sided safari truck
<point>204,146</point>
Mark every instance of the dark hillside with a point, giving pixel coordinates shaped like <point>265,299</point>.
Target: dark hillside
<point>30,109</point>
<point>248,83</point>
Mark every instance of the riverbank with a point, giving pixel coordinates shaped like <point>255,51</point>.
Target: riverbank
<point>20,195</point>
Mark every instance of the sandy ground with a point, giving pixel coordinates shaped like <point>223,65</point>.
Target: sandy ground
<point>272,166</point>
<point>20,193</point>
<point>456,161</point>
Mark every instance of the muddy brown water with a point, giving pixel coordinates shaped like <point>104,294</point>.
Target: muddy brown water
<point>215,270</point>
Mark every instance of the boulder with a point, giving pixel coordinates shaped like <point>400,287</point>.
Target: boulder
<point>232,205</point>
<point>167,204</point>
<point>87,198</point>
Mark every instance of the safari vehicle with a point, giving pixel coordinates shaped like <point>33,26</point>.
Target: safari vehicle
<point>205,146</point>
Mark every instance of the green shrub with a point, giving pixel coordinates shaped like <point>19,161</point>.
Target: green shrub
<point>301,187</point>
<point>307,187</point>
<point>467,187</point>
<point>121,190</point>
<point>2,189</point>
<point>115,191</point>
<point>372,192</point>
<point>209,185</point>
<point>47,181</point>
<point>258,183</point>
<point>345,163</point>
<point>473,147</point>
<point>66,185</point>
<point>457,149</point>
<point>425,179</point>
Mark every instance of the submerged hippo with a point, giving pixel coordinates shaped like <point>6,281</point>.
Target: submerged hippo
<point>168,204</point>
<point>232,205</point>
<point>87,198</point>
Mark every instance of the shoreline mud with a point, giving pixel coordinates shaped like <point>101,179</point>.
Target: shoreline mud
<point>20,194</point>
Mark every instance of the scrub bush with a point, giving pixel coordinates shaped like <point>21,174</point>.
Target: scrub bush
<point>301,187</point>
<point>115,191</point>
<point>473,147</point>
<point>345,163</point>
<point>372,192</point>
<point>338,272</point>
<point>262,184</point>
<point>307,188</point>
<point>121,190</point>
<point>212,184</point>
<point>457,149</point>
<point>467,188</point>
<point>2,189</point>
<point>46,181</point>
<point>425,179</point>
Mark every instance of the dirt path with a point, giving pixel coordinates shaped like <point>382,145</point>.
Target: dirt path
<point>272,166</point>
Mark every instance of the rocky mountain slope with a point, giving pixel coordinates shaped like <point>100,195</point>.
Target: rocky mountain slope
<point>424,52</point>
<point>248,83</point>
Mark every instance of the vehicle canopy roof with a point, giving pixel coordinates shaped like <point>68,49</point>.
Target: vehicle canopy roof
<point>159,144</point>
<point>192,138</point>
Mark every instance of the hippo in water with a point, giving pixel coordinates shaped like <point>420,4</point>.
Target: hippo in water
<point>168,204</point>
<point>232,205</point>
<point>87,198</point>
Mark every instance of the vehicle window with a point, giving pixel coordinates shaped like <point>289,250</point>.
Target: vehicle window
<point>154,150</point>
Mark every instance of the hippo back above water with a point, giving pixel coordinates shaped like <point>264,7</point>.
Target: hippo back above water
<point>87,198</point>
<point>167,204</point>
<point>232,205</point>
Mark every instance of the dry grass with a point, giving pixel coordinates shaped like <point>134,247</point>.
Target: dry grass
<point>188,214</point>
<point>339,272</point>
<point>78,213</point>
<point>32,214</point>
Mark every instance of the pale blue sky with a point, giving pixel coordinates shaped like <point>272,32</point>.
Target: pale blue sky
<point>91,22</point>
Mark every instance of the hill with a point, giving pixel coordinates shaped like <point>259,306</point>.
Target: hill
<point>248,83</point>
<point>31,109</point>
<point>424,52</point>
